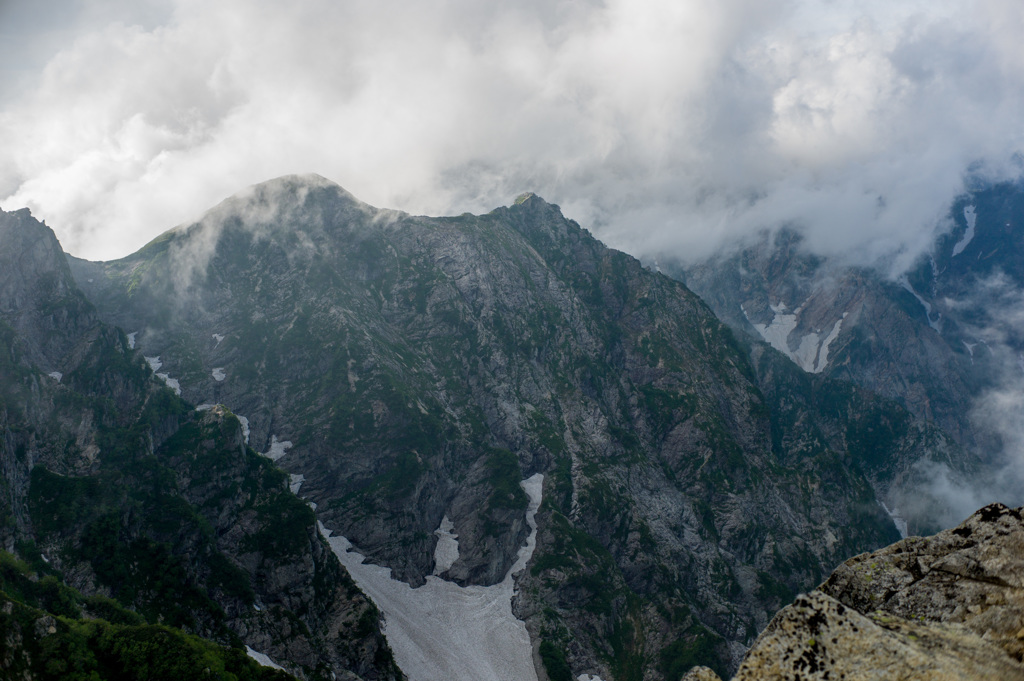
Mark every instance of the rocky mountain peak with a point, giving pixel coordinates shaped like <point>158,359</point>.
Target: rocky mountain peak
<point>38,295</point>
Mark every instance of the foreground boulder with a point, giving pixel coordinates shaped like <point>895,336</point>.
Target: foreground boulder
<point>949,606</point>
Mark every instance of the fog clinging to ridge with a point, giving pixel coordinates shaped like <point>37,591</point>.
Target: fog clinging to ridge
<point>665,127</point>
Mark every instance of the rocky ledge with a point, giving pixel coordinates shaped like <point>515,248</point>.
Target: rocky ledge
<point>949,606</point>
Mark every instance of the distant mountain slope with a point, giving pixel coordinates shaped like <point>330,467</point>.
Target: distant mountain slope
<point>413,368</point>
<point>945,339</point>
<point>934,339</point>
<point>116,485</point>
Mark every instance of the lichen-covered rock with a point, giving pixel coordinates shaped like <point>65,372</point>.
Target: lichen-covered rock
<point>701,674</point>
<point>944,607</point>
<point>817,637</point>
<point>971,575</point>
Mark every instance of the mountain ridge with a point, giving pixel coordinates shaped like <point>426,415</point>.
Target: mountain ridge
<point>420,367</point>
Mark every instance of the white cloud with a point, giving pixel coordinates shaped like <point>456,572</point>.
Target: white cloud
<point>662,125</point>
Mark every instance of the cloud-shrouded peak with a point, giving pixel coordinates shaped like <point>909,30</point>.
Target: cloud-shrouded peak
<point>299,180</point>
<point>287,202</point>
<point>666,127</point>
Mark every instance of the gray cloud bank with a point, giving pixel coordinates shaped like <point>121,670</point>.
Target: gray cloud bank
<point>668,127</point>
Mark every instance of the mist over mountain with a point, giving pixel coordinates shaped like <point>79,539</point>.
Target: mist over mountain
<point>418,366</point>
<point>667,127</point>
<point>440,390</point>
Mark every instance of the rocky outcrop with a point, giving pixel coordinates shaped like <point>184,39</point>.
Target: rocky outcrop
<point>949,606</point>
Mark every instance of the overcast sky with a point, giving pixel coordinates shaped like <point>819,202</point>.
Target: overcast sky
<point>665,126</point>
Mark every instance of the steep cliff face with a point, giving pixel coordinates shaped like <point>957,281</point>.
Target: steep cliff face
<point>412,368</point>
<point>120,488</point>
<point>944,607</point>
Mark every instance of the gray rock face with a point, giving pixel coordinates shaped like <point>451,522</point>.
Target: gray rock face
<point>38,296</point>
<point>420,367</point>
<point>944,607</point>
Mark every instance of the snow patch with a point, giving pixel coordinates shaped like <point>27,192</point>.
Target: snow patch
<point>277,448</point>
<point>897,520</point>
<point>131,340</point>
<point>444,631</point>
<point>807,354</point>
<point>811,354</point>
<point>776,333</point>
<point>296,482</point>
<point>447,550</point>
<point>218,374</point>
<point>972,219</point>
<point>56,375</point>
<point>172,383</point>
<point>217,337</point>
<point>588,677</point>
<point>206,406</point>
<point>245,428</point>
<point>264,660</point>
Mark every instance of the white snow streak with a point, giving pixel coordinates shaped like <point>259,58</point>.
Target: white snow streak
<point>277,448</point>
<point>172,383</point>
<point>970,349</point>
<point>218,374</point>
<point>56,375</point>
<point>822,360</point>
<point>924,303</point>
<point>897,520</point>
<point>262,659</point>
<point>245,428</point>
<point>206,406</point>
<point>588,677</point>
<point>447,550</point>
<point>972,219</point>
<point>131,340</point>
<point>296,482</point>
<point>217,337</point>
<point>442,631</point>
